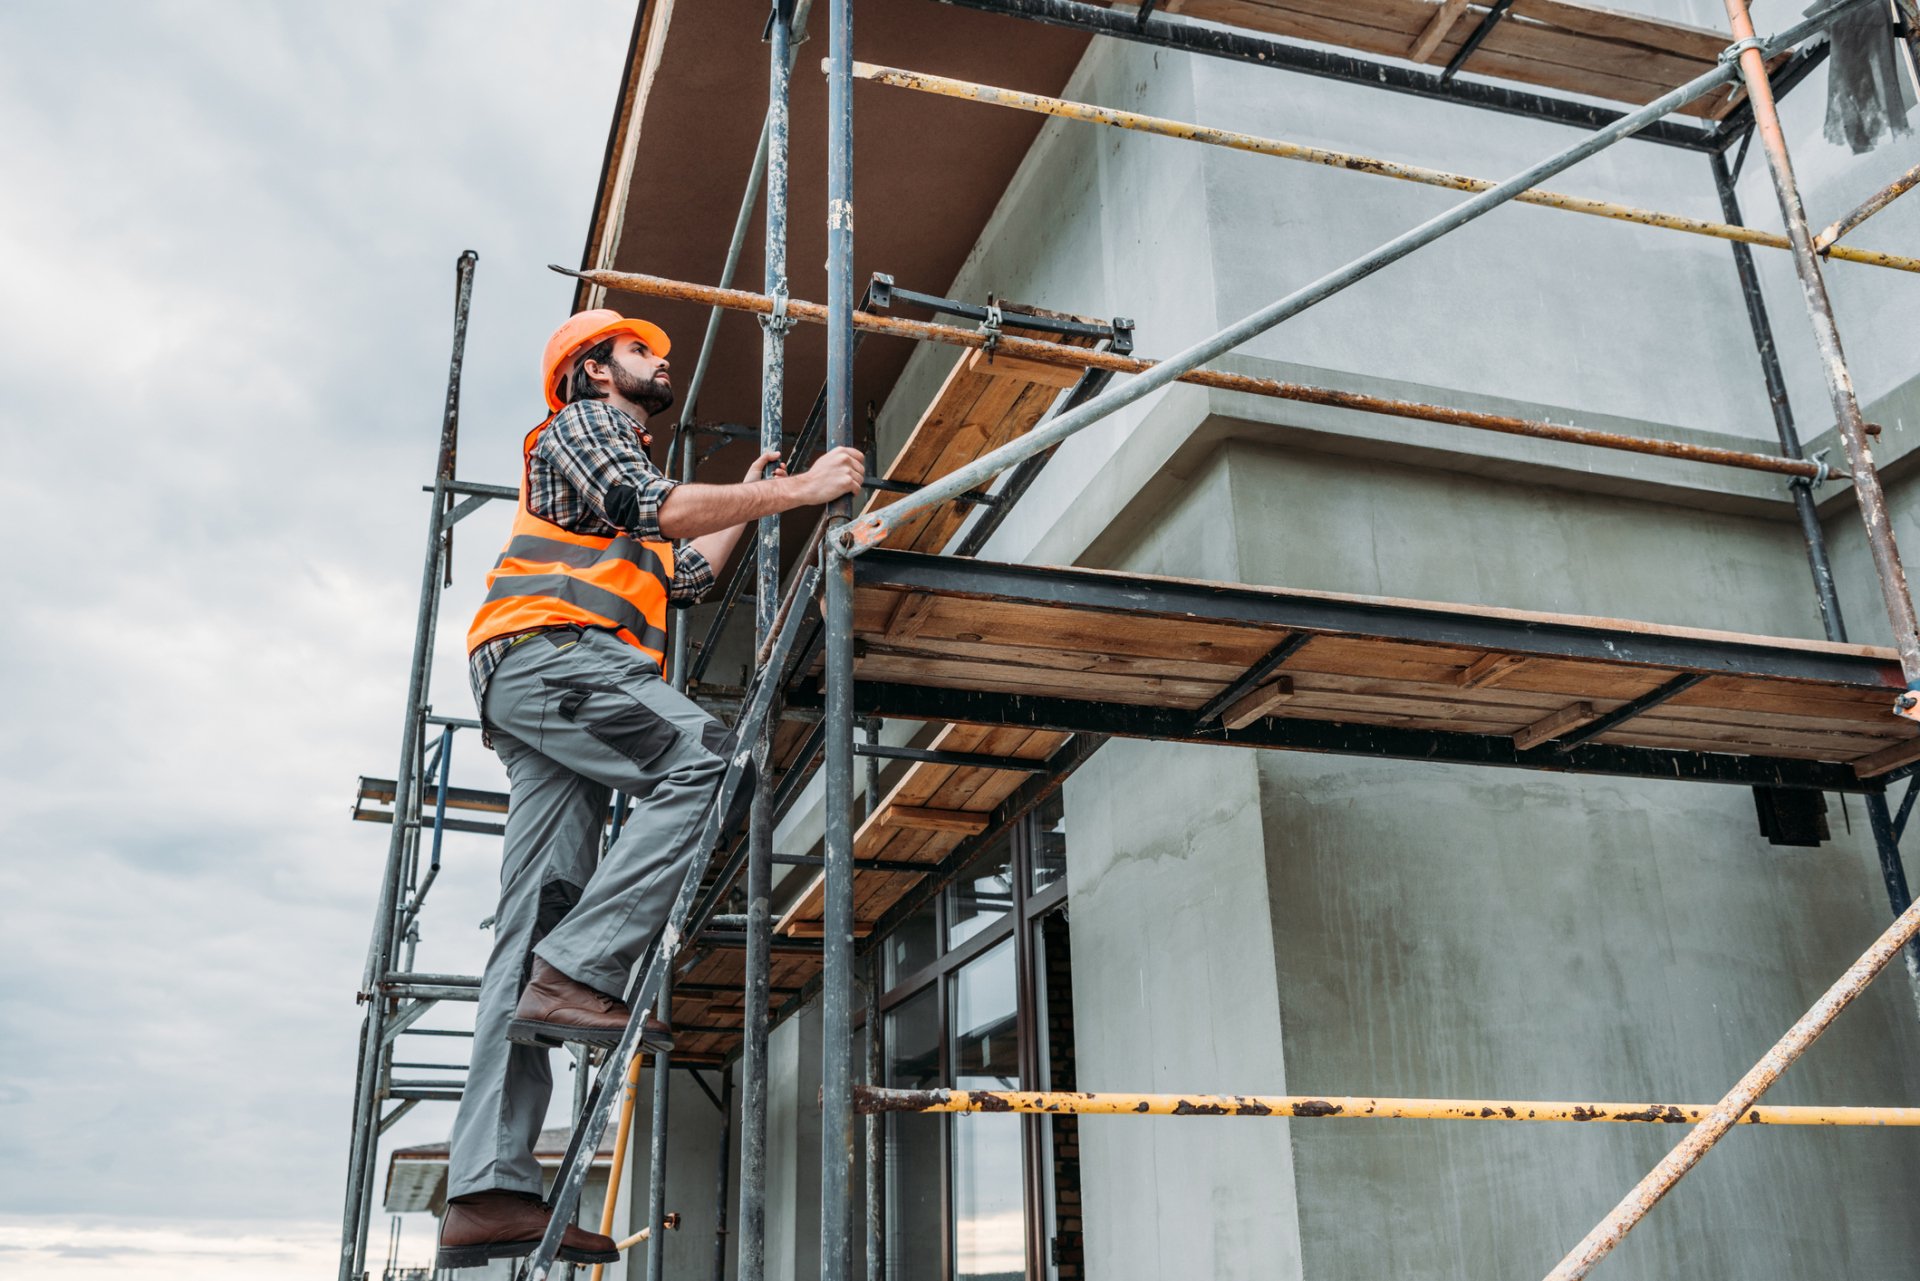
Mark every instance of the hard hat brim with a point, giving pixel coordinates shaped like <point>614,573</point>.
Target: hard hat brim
<point>645,330</point>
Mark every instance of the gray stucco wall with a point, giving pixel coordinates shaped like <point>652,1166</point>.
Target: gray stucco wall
<point>1270,922</point>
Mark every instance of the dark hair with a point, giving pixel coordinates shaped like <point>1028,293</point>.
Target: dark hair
<point>580,387</point>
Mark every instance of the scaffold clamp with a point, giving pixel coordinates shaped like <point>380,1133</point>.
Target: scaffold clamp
<point>778,320</point>
<point>1733,51</point>
<point>991,326</point>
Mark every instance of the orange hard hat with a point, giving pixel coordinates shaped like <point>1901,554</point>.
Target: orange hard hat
<point>583,331</point>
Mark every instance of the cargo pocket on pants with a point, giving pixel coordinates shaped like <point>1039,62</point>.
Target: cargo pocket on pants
<point>617,719</point>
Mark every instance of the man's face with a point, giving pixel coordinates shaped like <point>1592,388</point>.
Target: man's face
<point>641,376</point>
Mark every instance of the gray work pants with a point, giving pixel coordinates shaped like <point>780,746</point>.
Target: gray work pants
<point>575,714</point>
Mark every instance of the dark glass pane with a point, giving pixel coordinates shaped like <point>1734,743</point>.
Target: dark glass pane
<point>914,1242</point>
<point>982,895</point>
<point>1049,841</point>
<point>912,945</point>
<point>989,1216</point>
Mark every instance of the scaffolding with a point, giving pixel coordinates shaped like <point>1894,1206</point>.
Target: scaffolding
<point>1660,703</point>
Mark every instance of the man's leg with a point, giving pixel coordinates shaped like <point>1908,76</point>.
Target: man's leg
<point>554,821</point>
<point>599,707</point>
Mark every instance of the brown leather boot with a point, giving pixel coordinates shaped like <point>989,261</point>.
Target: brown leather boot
<point>508,1225</point>
<point>555,1009</point>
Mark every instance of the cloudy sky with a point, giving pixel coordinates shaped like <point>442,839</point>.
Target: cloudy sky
<point>227,235</point>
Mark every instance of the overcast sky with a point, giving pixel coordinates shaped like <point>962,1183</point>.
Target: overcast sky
<point>227,236</point>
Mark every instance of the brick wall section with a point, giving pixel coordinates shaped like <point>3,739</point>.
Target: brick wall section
<point>1068,1247</point>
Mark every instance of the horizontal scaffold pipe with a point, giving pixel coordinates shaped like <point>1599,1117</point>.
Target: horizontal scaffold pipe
<point>1087,358</point>
<point>1057,1103</point>
<point>1133,120</point>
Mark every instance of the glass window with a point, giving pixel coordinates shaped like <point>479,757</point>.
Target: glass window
<point>913,945</point>
<point>989,1216</point>
<point>983,894</point>
<point>1049,841</point>
<point>913,1141</point>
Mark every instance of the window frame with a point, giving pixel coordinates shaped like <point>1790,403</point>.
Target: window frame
<point>1020,923</point>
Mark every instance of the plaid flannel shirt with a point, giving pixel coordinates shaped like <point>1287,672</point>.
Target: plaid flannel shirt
<point>589,474</point>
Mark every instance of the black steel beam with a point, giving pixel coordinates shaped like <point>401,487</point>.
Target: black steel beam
<point>1250,679</point>
<point>976,760</point>
<point>1289,734</point>
<point>1290,611</point>
<point>1625,712</point>
<point>1474,41</point>
<point>1242,47</point>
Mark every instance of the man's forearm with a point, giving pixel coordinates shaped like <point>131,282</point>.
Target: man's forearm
<point>718,547</point>
<point>693,510</point>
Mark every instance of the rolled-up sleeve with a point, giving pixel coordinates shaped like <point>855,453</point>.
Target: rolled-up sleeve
<point>597,449</point>
<point>692,577</point>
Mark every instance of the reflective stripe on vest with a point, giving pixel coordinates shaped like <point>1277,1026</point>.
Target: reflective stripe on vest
<point>551,577</point>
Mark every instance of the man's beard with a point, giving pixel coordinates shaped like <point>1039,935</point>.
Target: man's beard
<point>653,396</point>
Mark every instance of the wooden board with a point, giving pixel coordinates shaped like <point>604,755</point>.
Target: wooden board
<point>898,830</point>
<point>1558,44</point>
<point>984,403</point>
<point>1054,643</point>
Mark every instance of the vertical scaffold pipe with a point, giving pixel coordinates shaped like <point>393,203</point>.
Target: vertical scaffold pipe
<point>657,1147</point>
<point>836,1023</point>
<point>876,1189</point>
<point>1886,842</point>
<point>1783,424</point>
<point>373,1043</point>
<point>1833,362</point>
<point>720,1178</point>
<point>751,1263</point>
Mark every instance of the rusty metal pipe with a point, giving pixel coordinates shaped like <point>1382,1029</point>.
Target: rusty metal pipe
<point>1846,405</point>
<point>1610,1231</point>
<point>670,1221</point>
<point>1087,358</point>
<point>1088,113</point>
<point>1823,243</point>
<point>873,1100</point>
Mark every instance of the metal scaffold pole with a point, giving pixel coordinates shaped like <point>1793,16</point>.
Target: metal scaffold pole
<point>836,1030</point>
<point>1833,362</point>
<point>1611,1230</point>
<point>773,355</point>
<point>1886,833</point>
<point>657,1150</point>
<point>375,1046</point>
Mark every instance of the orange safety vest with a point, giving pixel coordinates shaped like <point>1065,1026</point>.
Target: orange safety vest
<point>550,577</point>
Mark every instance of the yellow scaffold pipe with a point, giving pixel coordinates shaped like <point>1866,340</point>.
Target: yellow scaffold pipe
<point>868,1098</point>
<point>1087,112</point>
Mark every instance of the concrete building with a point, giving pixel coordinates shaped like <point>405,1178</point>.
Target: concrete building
<point>1205,919</point>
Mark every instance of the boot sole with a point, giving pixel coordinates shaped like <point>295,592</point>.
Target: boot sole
<point>547,1036</point>
<point>478,1256</point>
<point>551,1036</point>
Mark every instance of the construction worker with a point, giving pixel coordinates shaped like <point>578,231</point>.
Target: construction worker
<point>566,657</point>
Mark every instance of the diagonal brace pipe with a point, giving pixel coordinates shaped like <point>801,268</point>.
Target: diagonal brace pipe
<point>872,529</point>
